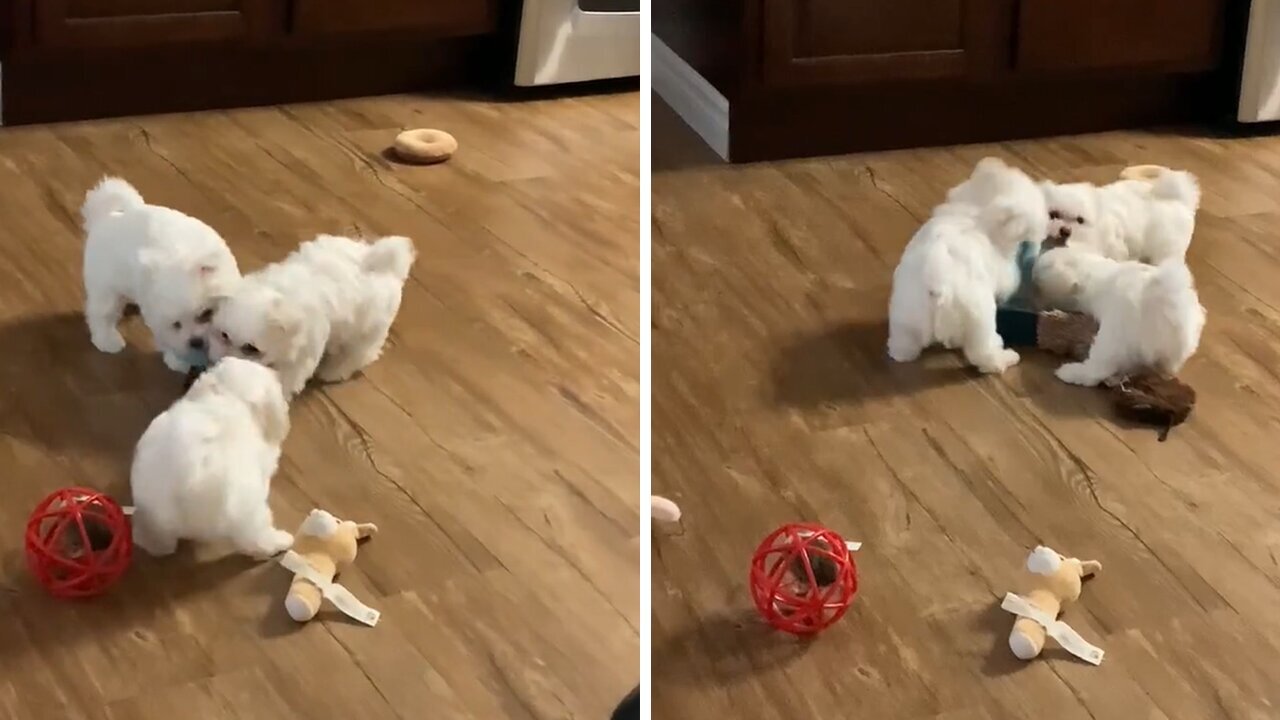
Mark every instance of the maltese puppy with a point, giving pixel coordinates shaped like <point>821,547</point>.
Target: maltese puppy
<point>167,263</point>
<point>1149,317</point>
<point>202,470</point>
<point>324,311</point>
<point>961,263</point>
<point>1148,216</point>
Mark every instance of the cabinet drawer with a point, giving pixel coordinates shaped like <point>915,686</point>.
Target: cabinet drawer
<point>1169,35</point>
<point>125,23</point>
<point>442,17</point>
<point>851,41</point>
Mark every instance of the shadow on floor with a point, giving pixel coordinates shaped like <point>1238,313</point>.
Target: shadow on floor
<point>150,587</point>
<point>64,395</point>
<point>723,648</point>
<point>846,364</point>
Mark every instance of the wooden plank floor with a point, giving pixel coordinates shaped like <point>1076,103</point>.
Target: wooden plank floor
<point>495,443</point>
<point>774,402</point>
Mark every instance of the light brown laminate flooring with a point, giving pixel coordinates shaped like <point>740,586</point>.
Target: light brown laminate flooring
<point>495,443</point>
<point>774,401</point>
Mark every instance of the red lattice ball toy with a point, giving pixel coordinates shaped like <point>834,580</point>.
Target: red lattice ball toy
<point>78,543</point>
<point>803,578</point>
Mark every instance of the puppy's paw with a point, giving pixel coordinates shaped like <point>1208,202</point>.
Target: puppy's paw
<point>273,543</point>
<point>998,362</point>
<point>156,545</point>
<point>108,341</point>
<point>1076,374</point>
<point>903,351</point>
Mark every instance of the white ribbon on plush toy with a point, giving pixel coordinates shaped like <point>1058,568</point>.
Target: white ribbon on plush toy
<point>1069,639</point>
<point>331,591</point>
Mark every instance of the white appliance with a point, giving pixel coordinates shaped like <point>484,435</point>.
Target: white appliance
<point>564,41</point>
<point>1260,84</point>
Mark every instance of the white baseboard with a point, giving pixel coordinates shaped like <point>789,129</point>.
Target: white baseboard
<point>1260,83</point>
<point>691,96</point>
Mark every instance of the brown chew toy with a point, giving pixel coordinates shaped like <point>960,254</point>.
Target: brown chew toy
<point>825,571</point>
<point>1145,397</point>
<point>1056,582</point>
<point>326,545</point>
<point>1066,334</point>
<point>425,146</point>
<point>1151,398</point>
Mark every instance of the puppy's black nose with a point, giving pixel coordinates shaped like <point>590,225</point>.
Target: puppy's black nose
<point>196,343</point>
<point>1065,232</point>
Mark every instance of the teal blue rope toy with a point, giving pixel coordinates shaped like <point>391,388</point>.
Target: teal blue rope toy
<point>197,361</point>
<point>1020,324</point>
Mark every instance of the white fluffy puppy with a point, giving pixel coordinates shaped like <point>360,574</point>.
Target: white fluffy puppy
<point>169,264</point>
<point>961,263</point>
<point>1150,219</point>
<point>202,470</point>
<point>323,311</point>
<point>1149,317</point>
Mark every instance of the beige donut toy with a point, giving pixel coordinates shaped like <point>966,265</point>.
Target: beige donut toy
<point>425,146</point>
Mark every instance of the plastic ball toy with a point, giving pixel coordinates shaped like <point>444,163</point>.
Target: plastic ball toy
<point>803,578</point>
<point>78,543</point>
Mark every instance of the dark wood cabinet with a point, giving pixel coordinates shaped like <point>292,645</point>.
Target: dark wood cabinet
<point>806,77</point>
<point>345,16</point>
<point>76,59</point>
<point>1065,35</point>
<point>839,41</point>
<point>133,23</point>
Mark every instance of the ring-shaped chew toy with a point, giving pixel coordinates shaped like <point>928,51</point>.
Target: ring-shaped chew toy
<point>425,145</point>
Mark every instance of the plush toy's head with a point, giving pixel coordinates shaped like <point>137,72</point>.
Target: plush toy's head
<point>1060,575</point>
<point>319,524</point>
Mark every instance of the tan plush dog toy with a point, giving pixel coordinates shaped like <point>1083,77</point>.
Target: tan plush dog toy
<point>322,547</point>
<point>1057,582</point>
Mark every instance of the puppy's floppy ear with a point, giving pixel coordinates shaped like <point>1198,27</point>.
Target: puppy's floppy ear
<point>1005,222</point>
<point>284,316</point>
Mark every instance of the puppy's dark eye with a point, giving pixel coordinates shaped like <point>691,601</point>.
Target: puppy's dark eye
<point>225,337</point>
<point>205,316</point>
<point>250,350</point>
<point>1080,220</point>
<point>177,325</point>
<point>1055,215</point>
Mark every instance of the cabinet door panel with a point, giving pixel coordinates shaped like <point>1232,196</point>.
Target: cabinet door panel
<point>445,17</point>
<point>1172,35</point>
<point>125,23</point>
<point>850,41</point>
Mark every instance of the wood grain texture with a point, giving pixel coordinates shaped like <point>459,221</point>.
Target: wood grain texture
<point>773,401</point>
<point>495,442</point>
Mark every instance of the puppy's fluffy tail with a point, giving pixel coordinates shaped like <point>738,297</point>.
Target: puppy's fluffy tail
<point>1166,184</point>
<point>110,195</point>
<point>390,256</point>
